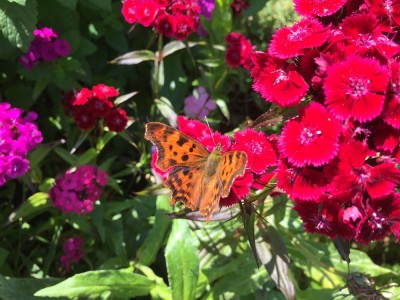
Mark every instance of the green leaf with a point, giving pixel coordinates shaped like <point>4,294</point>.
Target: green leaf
<point>40,85</point>
<point>64,154</point>
<point>174,46</point>
<point>86,158</point>
<point>101,4</point>
<point>223,107</point>
<point>36,204</point>
<point>182,261</point>
<point>18,288</point>
<point>37,155</point>
<point>71,4</point>
<point>123,98</point>
<point>147,253</point>
<point>95,284</point>
<point>20,2</point>
<point>18,22</point>
<point>134,57</point>
<point>273,255</point>
<point>167,110</point>
<point>248,216</point>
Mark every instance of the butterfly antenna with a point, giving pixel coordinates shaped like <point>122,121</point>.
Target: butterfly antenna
<point>209,128</point>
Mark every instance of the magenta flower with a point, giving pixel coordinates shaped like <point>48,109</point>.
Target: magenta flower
<point>76,191</point>
<point>18,135</point>
<point>72,252</point>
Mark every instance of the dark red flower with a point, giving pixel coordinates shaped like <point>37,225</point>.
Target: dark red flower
<point>317,7</point>
<point>291,41</point>
<point>324,217</point>
<point>385,138</point>
<point>312,138</point>
<point>116,120</point>
<point>238,51</point>
<point>129,11</point>
<point>146,12</point>
<point>304,183</point>
<point>380,215</point>
<point>260,153</point>
<point>276,80</point>
<point>82,97</point>
<point>84,117</point>
<point>238,6</point>
<point>101,107</point>
<point>355,176</point>
<point>103,91</point>
<point>184,26</point>
<point>387,12</point>
<point>356,88</point>
<point>165,24</point>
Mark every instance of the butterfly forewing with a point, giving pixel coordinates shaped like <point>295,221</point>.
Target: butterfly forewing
<point>233,164</point>
<point>173,147</point>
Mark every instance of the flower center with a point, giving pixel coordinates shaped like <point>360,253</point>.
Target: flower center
<point>358,87</point>
<point>308,135</point>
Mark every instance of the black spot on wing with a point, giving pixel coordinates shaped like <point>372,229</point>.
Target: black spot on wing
<point>185,157</point>
<point>181,141</point>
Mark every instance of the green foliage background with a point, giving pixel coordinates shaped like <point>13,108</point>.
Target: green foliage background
<point>132,247</point>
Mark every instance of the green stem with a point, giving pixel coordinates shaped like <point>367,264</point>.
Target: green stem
<point>157,71</point>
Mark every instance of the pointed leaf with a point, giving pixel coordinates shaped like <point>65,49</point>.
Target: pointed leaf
<point>274,257</point>
<point>94,284</point>
<point>134,57</point>
<point>123,98</point>
<point>147,253</point>
<point>36,204</point>
<point>182,261</point>
<point>167,110</point>
<point>174,46</point>
<point>343,248</point>
<point>248,216</point>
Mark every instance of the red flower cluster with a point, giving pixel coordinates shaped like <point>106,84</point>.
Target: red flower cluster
<point>172,18</point>
<point>238,50</point>
<point>260,152</point>
<point>338,156</point>
<point>238,6</point>
<point>90,105</point>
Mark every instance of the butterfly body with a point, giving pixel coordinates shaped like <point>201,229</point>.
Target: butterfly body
<point>197,177</point>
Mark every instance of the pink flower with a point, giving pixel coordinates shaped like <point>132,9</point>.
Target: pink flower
<point>238,50</point>
<point>356,88</point>
<point>276,80</point>
<point>62,47</point>
<point>146,12</point>
<point>260,153</point>
<point>292,41</point>
<point>317,8</point>
<point>103,91</point>
<point>312,139</point>
<point>82,97</point>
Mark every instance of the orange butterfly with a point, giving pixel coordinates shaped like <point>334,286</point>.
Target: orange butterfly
<point>197,177</point>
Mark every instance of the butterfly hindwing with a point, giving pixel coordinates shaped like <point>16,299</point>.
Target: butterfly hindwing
<point>233,164</point>
<point>184,185</point>
<point>173,147</point>
<point>210,196</point>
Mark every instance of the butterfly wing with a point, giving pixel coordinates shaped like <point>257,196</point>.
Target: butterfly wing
<point>211,193</point>
<point>233,164</point>
<point>173,147</point>
<point>185,185</point>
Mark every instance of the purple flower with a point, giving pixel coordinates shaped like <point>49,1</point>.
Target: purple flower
<point>198,105</point>
<point>62,47</point>
<point>47,52</point>
<point>206,7</point>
